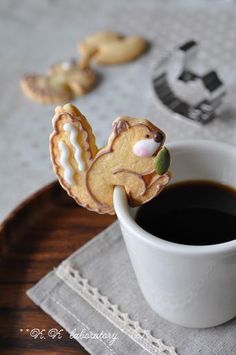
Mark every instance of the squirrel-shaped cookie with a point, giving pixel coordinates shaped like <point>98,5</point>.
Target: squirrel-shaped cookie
<point>90,174</point>
<point>63,81</point>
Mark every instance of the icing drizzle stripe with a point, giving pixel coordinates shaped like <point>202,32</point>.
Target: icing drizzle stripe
<point>73,139</point>
<point>68,171</point>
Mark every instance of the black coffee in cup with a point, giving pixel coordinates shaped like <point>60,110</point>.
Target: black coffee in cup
<point>193,213</point>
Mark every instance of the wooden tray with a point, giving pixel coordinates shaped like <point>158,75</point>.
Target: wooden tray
<point>37,236</point>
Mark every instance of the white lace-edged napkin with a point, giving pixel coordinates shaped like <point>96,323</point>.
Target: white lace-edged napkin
<point>95,297</point>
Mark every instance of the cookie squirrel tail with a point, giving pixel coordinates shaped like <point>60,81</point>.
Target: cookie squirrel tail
<point>72,148</point>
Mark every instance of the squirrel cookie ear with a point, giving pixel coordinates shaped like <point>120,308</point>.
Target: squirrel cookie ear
<point>120,125</point>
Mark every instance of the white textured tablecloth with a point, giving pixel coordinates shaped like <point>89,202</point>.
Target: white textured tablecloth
<point>35,34</point>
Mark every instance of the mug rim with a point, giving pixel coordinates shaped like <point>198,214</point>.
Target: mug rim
<point>122,210</point>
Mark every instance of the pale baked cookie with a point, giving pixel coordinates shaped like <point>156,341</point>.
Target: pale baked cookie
<point>89,46</point>
<point>62,82</point>
<point>111,48</point>
<point>132,156</point>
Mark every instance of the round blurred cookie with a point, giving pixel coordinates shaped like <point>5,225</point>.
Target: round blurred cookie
<point>111,48</point>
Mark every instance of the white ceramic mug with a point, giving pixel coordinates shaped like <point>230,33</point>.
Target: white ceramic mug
<point>193,286</point>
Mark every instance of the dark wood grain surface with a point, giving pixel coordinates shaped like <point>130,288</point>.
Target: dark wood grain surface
<point>36,237</point>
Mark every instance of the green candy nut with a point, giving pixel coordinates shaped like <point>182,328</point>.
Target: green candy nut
<point>162,161</point>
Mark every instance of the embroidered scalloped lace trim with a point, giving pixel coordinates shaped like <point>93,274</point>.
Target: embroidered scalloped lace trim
<point>111,312</point>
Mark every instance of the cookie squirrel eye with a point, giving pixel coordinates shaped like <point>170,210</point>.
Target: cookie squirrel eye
<point>147,136</point>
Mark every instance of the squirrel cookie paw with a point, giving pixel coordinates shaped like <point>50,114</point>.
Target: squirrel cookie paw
<point>131,158</point>
<point>111,48</point>
<point>62,82</point>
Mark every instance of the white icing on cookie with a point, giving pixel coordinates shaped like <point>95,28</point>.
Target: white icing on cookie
<point>73,139</point>
<point>68,170</point>
<point>66,65</point>
<point>145,148</point>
